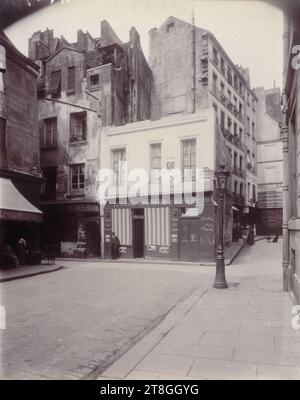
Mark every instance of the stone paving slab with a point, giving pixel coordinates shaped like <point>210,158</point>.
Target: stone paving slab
<point>243,332</point>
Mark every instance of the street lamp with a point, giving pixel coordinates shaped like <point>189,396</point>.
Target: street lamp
<point>221,180</point>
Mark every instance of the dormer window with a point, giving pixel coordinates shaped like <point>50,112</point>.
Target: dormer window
<point>170,27</point>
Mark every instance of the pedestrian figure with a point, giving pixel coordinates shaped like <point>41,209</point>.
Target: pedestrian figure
<point>250,238</point>
<point>115,244</point>
<point>21,251</point>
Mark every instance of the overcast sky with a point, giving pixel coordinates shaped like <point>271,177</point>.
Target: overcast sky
<point>250,31</point>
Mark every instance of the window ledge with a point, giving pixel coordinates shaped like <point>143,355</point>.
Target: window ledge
<point>74,196</point>
<point>49,148</point>
<point>79,143</point>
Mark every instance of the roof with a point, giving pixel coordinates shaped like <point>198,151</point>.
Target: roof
<point>5,41</point>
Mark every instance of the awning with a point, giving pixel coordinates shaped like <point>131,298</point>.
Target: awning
<point>14,206</point>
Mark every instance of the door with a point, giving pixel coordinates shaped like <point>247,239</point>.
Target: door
<point>189,239</point>
<point>138,237</point>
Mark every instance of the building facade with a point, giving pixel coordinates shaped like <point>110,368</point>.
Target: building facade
<point>20,173</point>
<point>291,153</point>
<point>191,72</point>
<point>269,161</point>
<point>83,87</point>
<point>168,224</point>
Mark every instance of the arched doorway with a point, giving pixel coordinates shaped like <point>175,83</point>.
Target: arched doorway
<point>93,239</point>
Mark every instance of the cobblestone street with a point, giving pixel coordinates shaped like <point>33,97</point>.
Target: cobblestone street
<point>69,323</point>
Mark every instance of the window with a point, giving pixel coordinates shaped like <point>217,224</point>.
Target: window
<point>189,158</point>
<point>229,123</point>
<point>222,87</point>
<point>170,27</point>
<point>248,126</point>
<point>235,129</point>
<point>235,187</point>
<point>253,130</point>
<point>248,191</point>
<point>77,178</point>
<point>229,94</point>
<point>2,67</point>
<point>78,127</point>
<point>215,55</point>
<point>222,121</point>
<point>3,155</point>
<point>49,186</point>
<point>215,81</point>
<point>71,80</point>
<point>241,188</point>
<point>94,80</point>
<point>119,166</point>
<point>235,161</point>
<point>241,133</point>
<point>155,160</point>
<point>55,84</point>
<point>222,65</point>
<point>253,193</point>
<point>229,75</point>
<point>241,164</point>
<point>49,133</point>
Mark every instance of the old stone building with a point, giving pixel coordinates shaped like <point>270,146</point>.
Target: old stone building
<point>20,173</point>
<point>191,72</point>
<point>83,87</point>
<point>269,162</point>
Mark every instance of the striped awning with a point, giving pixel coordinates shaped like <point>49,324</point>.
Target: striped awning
<point>14,206</point>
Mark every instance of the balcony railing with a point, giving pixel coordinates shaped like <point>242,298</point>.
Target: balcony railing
<point>227,102</point>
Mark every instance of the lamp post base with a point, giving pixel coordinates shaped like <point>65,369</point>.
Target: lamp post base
<point>220,279</point>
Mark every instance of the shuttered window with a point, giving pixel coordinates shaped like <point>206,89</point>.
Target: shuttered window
<point>55,84</point>
<point>71,80</point>
<point>49,133</point>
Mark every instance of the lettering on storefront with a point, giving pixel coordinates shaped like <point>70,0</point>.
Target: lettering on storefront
<point>270,188</point>
<point>164,250</point>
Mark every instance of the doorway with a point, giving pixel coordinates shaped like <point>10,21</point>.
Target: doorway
<point>189,239</point>
<point>93,239</point>
<point>138,232</point>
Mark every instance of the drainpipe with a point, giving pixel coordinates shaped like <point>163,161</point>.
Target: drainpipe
<point>285,143</point>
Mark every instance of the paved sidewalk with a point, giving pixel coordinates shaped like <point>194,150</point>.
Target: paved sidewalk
<point>230,254</point>
<point>24,271</point>
<point>243,332</point>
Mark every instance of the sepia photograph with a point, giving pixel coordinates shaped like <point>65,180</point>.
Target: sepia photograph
<point>149,193</point>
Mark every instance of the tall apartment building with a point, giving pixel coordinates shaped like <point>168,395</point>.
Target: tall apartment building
<point>191,72</point>
<point>269,162</point>
<point>82,87</point>
<point>20,173</point>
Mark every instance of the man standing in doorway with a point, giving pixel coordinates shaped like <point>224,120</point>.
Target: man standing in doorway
<point>115,244</point>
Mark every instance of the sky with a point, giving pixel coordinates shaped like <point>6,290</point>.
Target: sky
<point>250,31</point>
